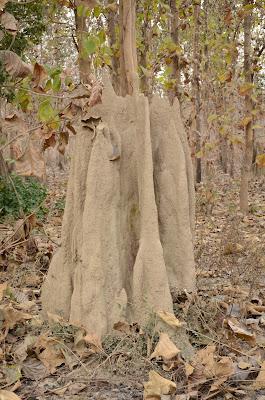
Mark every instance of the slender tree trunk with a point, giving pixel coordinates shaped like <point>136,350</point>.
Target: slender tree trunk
<point>112,21</point>
<point>145,28</point>
<point>197,90</point>
<point>174,31</point>
<point>83,62</point>
<point>128,56</point>
<point>248,151</point>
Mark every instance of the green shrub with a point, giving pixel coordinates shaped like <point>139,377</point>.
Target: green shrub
<point>25,194</point>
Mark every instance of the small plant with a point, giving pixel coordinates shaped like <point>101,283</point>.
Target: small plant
<point>21,194</point>
<point>60,204</point>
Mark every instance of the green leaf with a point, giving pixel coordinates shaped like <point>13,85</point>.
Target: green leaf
<point>46,112</point>
<point>89,46</point>
<point>56,83</point>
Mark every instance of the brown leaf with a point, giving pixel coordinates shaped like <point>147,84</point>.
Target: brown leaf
<point>170,319</point>
<point>9,22</point>
<point>122,326</point>
<point>224,368</point>
<point>3,287</point>
<point>188,369</point>
<point>21,350</point>
<point>12,317</point>
<point>6,395</point>
<point>205,358</point>
<point>158,386</point>
<point>34,369</point>
<point>2,4</point>
<point>49,352</point>
<point>165,348</point>
<point>242,332</point>
<point>260,380</point>
<point>39,76</point>
<point>94,342</point>
<point>14,65</point>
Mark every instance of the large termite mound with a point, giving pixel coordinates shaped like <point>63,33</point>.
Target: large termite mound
<point>128,222</point>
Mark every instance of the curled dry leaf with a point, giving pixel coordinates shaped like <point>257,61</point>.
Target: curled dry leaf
<point>6,395</point>
<point>157,386</point>
<point>9,22</point>
<point>241,331</point>
<point>165,348</point>
<point>39,76</point>
<point>259,383</point>
<point>170,319</point>
<point>122,326</point>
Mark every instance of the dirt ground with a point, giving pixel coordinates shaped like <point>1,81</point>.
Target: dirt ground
<point>227,312</point>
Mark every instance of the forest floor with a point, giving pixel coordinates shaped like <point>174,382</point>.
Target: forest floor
<point>225,319</point>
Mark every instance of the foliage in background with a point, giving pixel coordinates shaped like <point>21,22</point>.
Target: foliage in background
<point>26,194</point>
<point>31,26</point>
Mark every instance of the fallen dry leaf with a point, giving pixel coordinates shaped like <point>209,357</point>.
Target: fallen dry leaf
<point>3,287</point>
<point>260,380</point>
<point>11,317</point>
<point>48,351</point>
<point>6,395</point>
<point>170,319</point>
<point>165,348</point>
<point>241,331</point>
<point>122,326</point>
<point>243,365</point>
<point>188,369</point>
<point>224,368</point>
<point>34,369</point>
<point>158,386</point>
<point>205,358</point>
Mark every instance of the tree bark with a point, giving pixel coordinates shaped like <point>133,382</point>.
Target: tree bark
<point>248,151</point>
<point>174,32</point>
<point>115,64</point>
<point>128,55</point>
<point>197,90</point>
<point>83,62</point>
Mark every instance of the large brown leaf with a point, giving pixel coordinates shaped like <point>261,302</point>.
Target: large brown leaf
<point>9,22</point>
<point>2,4</point>
<point>14,65</point>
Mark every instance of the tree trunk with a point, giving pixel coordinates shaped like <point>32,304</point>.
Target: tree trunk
<point>113,41</point>
<point>145,28</point>
<point>128,55</point>
<point>83,61</point>
<point>197,90</point>
<point>248,151</point>
<point>174,31</point>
